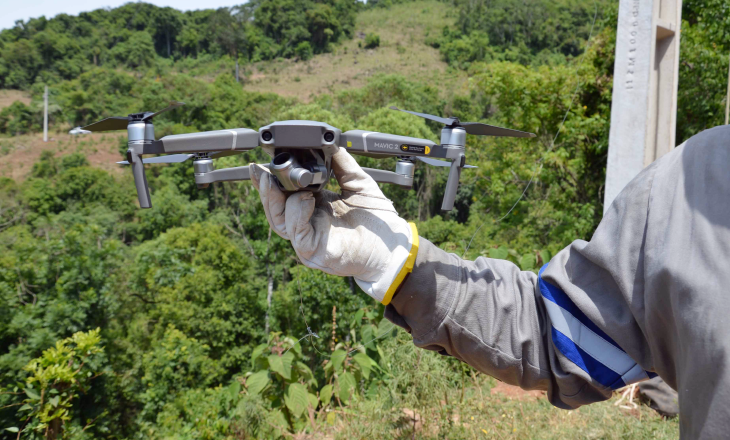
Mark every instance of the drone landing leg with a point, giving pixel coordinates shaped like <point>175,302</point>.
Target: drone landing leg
<point>452,185</point>
<point>140,179</point>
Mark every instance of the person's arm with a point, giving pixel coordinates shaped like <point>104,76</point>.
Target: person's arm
<point>548,332</point>
<point>494,317</point>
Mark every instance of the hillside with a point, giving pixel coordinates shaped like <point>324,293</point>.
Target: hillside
<point>403,50</point>
<point>187,320</point>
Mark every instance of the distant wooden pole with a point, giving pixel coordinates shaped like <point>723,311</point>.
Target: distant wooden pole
<point>45,115</point>
<point>727,98</point>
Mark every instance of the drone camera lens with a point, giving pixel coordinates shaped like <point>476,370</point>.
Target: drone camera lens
<point>329,136</point>
<point>282,158</point>
<point>266,136</point>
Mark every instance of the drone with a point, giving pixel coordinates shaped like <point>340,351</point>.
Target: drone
<point>301,151</point>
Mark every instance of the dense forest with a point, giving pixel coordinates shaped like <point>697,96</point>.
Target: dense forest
<point>184,320</point>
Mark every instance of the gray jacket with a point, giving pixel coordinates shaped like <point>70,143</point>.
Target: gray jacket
<point>650,293</point>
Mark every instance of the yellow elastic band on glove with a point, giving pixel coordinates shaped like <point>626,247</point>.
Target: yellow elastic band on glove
<point>406,269</point>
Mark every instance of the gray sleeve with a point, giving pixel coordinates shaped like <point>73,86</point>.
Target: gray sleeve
<point>566,331</point>
<point>650,288</point>
<point>490,315</point>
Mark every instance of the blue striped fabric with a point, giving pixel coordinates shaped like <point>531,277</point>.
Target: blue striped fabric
<point>604,375</point>
<point>583,343</point>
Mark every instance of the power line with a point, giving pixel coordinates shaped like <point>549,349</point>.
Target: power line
<point>552,145</point>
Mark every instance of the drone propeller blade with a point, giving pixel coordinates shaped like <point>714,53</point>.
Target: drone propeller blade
<point>491,130</point>
<point>172,158</point>
<point>434,162</point>
<point>173,105</point>
<point>108,124</point>
<point>438,163</point>
<point>445,121</point>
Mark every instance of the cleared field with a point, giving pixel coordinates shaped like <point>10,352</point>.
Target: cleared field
<point>19,153</point>
<point>403,32</point>
<point>8,97</point>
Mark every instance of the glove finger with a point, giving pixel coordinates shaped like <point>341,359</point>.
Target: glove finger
<point>351,176</point>
<point>255,171</point>
<point>358,188</point>
<point>274,201</point>
<point>304,230</point>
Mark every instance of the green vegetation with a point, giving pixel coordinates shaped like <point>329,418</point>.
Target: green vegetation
<point>141,35</point>
<point>372,41</point>
<point>184,321</point>
<point>703,66</point>
<point>529,32</point>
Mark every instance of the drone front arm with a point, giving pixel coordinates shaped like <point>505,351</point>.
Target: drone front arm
<point>383,176</point>
<point>374,143</point>
<point>223,175</point>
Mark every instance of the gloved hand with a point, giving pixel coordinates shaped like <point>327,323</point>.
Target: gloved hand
<point>356,233</point>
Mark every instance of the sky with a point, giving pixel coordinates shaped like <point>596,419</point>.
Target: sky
<point>11,10</point>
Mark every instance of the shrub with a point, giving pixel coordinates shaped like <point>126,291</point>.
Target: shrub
<point>372,41</point>
<point>304,50</point>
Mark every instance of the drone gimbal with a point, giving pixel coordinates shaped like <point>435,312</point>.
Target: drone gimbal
<point>301,151</point>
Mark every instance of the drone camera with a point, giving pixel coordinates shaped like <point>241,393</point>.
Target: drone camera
<point>267,136</point>
<point>292,176</point>
<point>329,137</point>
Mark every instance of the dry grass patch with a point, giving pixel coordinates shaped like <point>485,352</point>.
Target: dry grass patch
<point>19,153</point>
<point>8,97</point>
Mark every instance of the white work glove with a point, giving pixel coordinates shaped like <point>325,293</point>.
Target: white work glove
<point>356,233</point>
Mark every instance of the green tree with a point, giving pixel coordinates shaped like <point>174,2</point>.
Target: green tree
<point>175,363</point>
<point>703,67</point>
<point>137,51</point>
<point>19,64</point>
<point>55,380</point>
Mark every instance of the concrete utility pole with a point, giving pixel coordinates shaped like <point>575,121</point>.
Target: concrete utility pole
<point>645,79</point>
<point>45,115</point>
<point>727,98</point>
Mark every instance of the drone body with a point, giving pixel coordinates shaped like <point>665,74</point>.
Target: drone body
<point>301,151</point>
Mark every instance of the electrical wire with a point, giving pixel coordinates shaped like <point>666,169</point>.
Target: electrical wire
<point>310,334</point>
<point>555,138</point>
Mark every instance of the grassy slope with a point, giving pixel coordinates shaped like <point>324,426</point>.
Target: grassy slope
<point>402,30</point>
<point>496,411</point>
<point>475,406</point>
